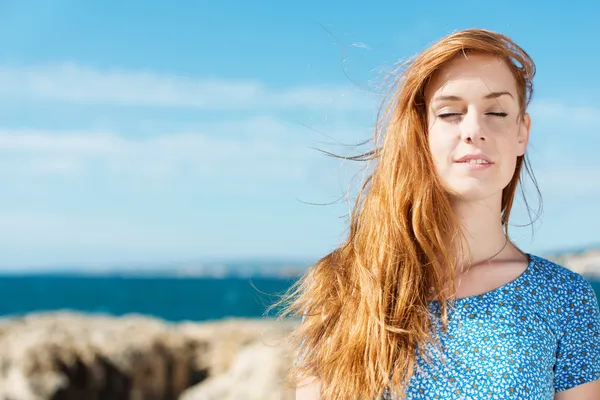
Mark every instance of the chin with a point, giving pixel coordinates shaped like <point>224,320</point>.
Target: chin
<point>474,193</point>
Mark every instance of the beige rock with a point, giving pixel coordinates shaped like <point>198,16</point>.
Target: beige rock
<point>256,374</point>
<point>71,356</point>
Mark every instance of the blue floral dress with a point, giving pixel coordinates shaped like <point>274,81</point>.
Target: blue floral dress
<point>528,339</point>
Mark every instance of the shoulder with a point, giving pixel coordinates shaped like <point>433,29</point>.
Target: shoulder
<point>567,294</point>
<point>558,278</point>
<point>570,306</point>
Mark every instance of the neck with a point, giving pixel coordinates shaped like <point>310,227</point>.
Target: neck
<point>481,222</point>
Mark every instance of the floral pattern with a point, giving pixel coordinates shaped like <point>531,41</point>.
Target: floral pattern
<point>528,339</point>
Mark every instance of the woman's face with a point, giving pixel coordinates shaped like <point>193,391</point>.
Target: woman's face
<point>475,130</point>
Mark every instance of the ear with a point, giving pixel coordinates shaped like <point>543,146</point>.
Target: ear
<point>523,134</point>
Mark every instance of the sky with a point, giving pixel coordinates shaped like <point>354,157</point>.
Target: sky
<point>155,132</point>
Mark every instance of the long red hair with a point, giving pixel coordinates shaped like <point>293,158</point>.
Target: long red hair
<point>366,303</point>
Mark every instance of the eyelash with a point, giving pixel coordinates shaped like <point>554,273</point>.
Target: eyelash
<point>496,114</point>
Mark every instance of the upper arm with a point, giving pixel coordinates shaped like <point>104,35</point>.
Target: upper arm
<point>309,389</point>
<point>587,391</point>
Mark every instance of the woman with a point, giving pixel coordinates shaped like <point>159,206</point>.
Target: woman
<point>428,298</point>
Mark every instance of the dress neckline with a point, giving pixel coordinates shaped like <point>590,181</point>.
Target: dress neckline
<point>506,286</point>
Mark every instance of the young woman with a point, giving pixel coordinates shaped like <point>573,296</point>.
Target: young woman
<point>428,298</point>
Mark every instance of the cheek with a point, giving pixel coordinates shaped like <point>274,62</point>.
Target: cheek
<point>508,146</point>
<point>508,150</point>
<point>440,146</point>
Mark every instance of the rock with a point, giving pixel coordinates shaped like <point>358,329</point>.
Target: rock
<point>256,374</point>
<point>71,356</point>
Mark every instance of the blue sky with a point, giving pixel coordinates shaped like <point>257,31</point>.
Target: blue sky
<point>150,132</point>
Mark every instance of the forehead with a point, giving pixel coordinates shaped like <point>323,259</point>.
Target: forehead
<point>477,74</point>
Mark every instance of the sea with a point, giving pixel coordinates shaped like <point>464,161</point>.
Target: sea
<point>170,298</point>
<point>173,299</point>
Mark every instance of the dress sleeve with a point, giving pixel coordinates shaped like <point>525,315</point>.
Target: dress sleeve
<point>578,352</point>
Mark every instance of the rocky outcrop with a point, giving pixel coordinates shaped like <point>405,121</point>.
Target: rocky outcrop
<point>70,356</point>
<point>256,373</point>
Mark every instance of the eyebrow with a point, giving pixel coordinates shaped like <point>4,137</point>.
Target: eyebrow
<point>492,95</point>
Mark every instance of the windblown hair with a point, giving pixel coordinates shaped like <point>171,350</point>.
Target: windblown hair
<point>365,305</point>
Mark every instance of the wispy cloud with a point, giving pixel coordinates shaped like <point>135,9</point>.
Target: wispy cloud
<point>550,110</point>
<point>266,150</point>
<point>194,153</point>
<point>75,83</point>
<point>69,82</point>
<point>570,181</point>
<point>93,240</point>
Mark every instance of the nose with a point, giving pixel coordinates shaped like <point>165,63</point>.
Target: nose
<point>471,128</point>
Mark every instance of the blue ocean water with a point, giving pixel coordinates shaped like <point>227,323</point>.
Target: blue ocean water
<point>172,299</point>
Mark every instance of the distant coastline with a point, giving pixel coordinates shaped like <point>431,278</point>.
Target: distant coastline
<point>584,260</point>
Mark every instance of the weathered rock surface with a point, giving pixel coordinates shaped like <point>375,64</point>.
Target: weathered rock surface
<point>255,374</point>
<point>70,356</point>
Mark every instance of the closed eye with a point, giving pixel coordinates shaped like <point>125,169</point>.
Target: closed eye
<point>448,115</point>
<point>495,114</point>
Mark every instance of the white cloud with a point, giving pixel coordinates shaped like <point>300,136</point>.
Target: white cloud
<point>571,181</point>
<point>53,166</point>
<point>557,111</point>
<point>57,142</point>
<point>91,240</point>
<point>265,152</point>
<point>68,82</point>
<point>258,148</point>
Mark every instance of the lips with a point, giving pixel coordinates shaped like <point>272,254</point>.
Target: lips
<point>475,159</point>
